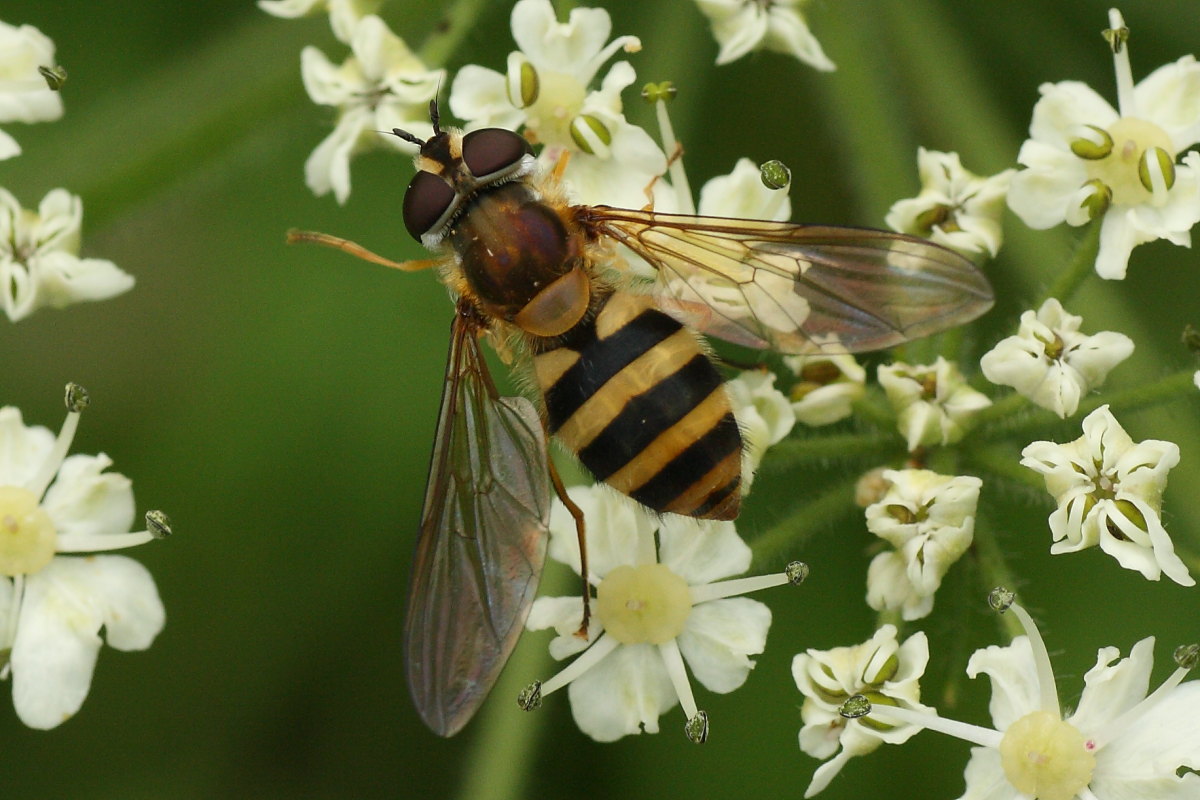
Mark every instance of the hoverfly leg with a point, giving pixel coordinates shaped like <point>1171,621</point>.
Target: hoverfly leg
<point>560,166</point>
<point>581,532</point>
<point>358,251</point>
<point>676,154</point>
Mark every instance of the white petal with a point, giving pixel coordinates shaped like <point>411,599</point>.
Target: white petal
<point>66,279</point>
<point>56,645</point>
<point>1112,689</point>
<point>8,146</point>
<point>563,614</point>
<point>22,450</point>
<point>328,168</point>
<point>1063,107</point>
<point>480,96</point>
<point>701,551</point>
<point>743,195</point>
<point>788,33</point>
<point>985,778</point>
<point>615,527</point>
<point>1170,97</point>
<point>85,500</point>
<point>719,637</point>
<point>1015,690</point>
<point>623,694</point>
<point>1143,760</point>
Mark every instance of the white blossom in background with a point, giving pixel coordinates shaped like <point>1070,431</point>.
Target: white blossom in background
<point>827,387</point>
<point>1109,492</point>
<point>929,520</point>
<point>52,606</point>
<point>742,26</point>
<point>933,402</point>
<point>1051,362</point>
<point>382,86</point>
<point>653,611</point>
<point>1085,159</point>
<point>344,15</point>
<point>955,208</point>
<point>546,93</point>
<point>1196,379</point>
<point>24,94</point>
<point>764,415</point>
<point>39,257</point>
<point>1117,744</point>
<point>889,671</point>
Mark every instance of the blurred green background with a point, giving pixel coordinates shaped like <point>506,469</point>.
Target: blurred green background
<point>279,402</point>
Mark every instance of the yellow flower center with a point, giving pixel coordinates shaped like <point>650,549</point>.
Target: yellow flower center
<point>1046,758</point>
<point>643,605</point>
<point>27,536</point>
<point>558,102</point>
<point>1119,169</point>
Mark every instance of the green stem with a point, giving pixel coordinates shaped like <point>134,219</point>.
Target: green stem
<point>995,571</point>
<point>507,739</point>
<point>1001,461</point>
<point>1001,409</point>
<point>818,451</point>
<point>1081,265</point>
<point>876,410</point>
<point>788,536</point>
<point>452,29</point>
<point>1178,386</point>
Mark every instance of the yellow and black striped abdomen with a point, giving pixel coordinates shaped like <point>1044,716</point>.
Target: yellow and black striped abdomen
<point>632,393</point>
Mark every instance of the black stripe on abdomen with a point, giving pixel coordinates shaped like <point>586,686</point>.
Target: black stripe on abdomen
<point>692,464</point>
<point>646,416</point>
<point>601,359</point>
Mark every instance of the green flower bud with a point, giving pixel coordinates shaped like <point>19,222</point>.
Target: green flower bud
<point>1092,143</point>
<point>1098,200</point>
<point>590,135</point>
<point>1160,158</point>
<point>521,81</point>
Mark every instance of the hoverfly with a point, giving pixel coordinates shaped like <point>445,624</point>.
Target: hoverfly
<point>624,381</point>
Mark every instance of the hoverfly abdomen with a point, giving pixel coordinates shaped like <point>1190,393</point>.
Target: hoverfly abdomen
<point>631,392</point>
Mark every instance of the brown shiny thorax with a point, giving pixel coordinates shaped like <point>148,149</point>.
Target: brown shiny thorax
<point>511,246</point>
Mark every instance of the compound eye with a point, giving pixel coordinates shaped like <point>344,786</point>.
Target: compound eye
<point>428,198</point>
<point>489,151</point>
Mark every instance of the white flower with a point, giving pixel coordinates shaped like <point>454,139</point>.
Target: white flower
<point>827,388</point>
<point>546,90</point>
<point>930,521</point>
<point>1109,492</point>
<point>933,402</point>
<point>52,606</point>
<point>1051,362</point>
<point>344,15</point>
<point>1117,744</point>
<point>890,672</point>
<point>24,94</point>
<point>764,416</point>
<point>955,208</point>
<point>1085,159</point>
<point>652,611</point>
<point>39,257</point>
<point>740,26</point>
<point>380,87</point>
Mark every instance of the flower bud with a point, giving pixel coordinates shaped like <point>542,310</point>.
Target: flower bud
<point>591,135</point>
<point>1092,143</point>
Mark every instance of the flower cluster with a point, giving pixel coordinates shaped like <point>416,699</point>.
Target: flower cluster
<point>666,605</point>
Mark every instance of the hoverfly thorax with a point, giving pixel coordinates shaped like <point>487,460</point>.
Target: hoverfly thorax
<point>520,257</point>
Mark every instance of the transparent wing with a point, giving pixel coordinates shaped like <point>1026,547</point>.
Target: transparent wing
<point>798,288</point>
<point>482,539</point>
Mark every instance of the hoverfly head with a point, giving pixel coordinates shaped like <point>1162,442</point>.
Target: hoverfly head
<point>452,166</point>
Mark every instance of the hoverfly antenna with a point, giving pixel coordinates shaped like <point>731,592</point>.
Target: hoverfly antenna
<point>408,137</point>
<point>434,116</point>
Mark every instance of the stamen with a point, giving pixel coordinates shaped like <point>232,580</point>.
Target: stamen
<point>93,542</point>
<point>630,44</point>
<point>679,181</point>
<point>77,400</point>
<point>984,737</point>
<point>673,661</point>
<point>732,588</point>
<point>1113,728</point>
<point>1118,36</point>
<point>590,658</point>
<point>1041,659</point>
